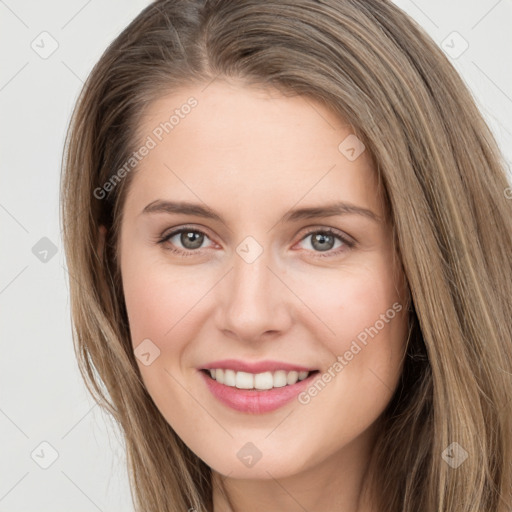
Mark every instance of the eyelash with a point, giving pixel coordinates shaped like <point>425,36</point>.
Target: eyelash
<point>328,254</point>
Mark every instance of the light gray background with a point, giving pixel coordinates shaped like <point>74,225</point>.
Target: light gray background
<point>42,397</point>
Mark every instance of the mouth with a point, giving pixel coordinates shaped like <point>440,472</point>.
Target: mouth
<point>256,393</point>
<point>257,381</point>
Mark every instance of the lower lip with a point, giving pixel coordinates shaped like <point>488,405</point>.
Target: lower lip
<point>255,401</point>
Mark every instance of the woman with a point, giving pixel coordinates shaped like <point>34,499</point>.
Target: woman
<point>289,237</point>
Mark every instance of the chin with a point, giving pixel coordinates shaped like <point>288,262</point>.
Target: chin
<point>274,465</point>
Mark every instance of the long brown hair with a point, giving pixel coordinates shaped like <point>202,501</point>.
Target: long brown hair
<point>445,186</point>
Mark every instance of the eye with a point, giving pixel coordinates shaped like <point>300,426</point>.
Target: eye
<point>190,239</point>
<point>324,240</point>
<point>321,241</point>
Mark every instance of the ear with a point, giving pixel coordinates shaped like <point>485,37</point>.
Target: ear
<point>102,230</point>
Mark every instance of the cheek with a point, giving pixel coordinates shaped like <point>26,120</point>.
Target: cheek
<point>165,306</point>
<point>350,304</point>
<point>162,306</point>
<point>365,324</point>
<point>159,300</point>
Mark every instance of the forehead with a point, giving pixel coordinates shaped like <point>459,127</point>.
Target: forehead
<point>241,141</point>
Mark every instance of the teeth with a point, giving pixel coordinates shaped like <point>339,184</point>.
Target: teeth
<point>242,380</point>
<point>293,377</point>
<point>262,381</point>
<point>279,379</point>
<point>229,378</point>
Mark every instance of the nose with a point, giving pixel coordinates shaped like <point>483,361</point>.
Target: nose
<point>253,300</point>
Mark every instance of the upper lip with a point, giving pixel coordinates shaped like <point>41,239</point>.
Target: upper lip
<point>256,367</point>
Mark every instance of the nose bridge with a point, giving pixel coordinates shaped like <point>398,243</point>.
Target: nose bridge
<point>250,279</point>
<point>252,301</point>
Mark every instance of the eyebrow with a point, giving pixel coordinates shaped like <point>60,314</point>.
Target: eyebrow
<point>196,209</point>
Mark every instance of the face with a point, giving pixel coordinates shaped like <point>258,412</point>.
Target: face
<point>253,244</point>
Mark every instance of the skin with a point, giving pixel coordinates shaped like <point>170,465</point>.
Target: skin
<point>251,155</point>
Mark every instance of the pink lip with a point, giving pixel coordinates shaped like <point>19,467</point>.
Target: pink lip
<point>254,401</point>
<point>260,367</point>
